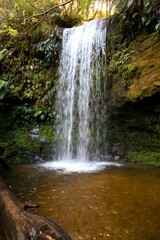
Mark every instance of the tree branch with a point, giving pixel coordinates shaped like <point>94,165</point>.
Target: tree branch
<point>43,14</point>
<point>47,11</point>
<point>35,25</point>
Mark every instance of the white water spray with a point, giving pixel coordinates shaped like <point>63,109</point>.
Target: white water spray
<point>81,58</point>
<point>80,84</point>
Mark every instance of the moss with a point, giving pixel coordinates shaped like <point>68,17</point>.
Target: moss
<point>147,158</point>
<point>141,143</point>
<point>131,71</point>
<point>135,69</point>
<point>20,145</point>
<point>147,57</point>
<point>30,73</point>
<point>46,131</point>
<point>137,126</point>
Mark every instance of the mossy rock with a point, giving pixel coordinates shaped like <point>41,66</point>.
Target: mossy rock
<point>146,57</point>
<point>146,158</point>
<point>135,70</point>
<point>24,145</point>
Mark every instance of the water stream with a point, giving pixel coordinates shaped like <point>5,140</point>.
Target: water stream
<point>78,113</point>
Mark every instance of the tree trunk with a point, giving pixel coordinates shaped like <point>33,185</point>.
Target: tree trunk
<point>22,225</point>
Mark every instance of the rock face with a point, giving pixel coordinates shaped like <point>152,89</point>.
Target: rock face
<point>137,70</point>
<point>133,90</point>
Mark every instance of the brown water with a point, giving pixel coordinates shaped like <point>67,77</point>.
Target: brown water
<point>119,203</point>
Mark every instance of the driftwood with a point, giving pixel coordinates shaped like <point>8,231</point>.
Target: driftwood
<point>22,225</point>
<point>29,204</point>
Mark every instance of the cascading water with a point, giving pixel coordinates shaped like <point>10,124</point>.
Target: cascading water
<point>79,93</point>
<point>81,60</point>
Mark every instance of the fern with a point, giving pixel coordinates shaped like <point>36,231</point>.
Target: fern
<point>3,90</point>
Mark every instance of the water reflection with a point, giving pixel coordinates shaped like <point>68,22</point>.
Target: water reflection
<point>118,203</point>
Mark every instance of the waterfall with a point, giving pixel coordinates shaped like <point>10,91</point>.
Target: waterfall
<point>80,104</point>
<point>81,63</point>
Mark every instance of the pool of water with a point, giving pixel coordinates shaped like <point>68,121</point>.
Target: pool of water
<point>118,203</point>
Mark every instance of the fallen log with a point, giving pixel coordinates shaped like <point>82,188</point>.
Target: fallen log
<point>21,225</point>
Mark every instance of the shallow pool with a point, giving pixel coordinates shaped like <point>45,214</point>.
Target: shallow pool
<point>118,203</point>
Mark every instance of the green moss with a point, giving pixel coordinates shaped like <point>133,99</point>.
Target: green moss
<point>157,128</point>
<point>21,148</point>
<point>147,158</point>
<point>46,132</point>
<point>18,146</point>
<point>146,57</point>
<point>131,71</point>
<point>135,69</point>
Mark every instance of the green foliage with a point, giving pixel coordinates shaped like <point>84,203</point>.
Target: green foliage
<point>3,53</point>
<point>46,131</point>
<point>21,147</point>
<point>51,47</point>
<point>147,158</point>
<point>26,114</point>
<point>149,17</point>
<point>129,71</point>
<point>21,139</point>
<point>3,89</point>
<point>23,115</point>
<point>20,17</point>
<point>2,84</point>
<point>157,27</point>
<point>121,5</point>
<point>120,65</point>
<point>9,31</point>
<point>142,13</point>
<point>29,77</point>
